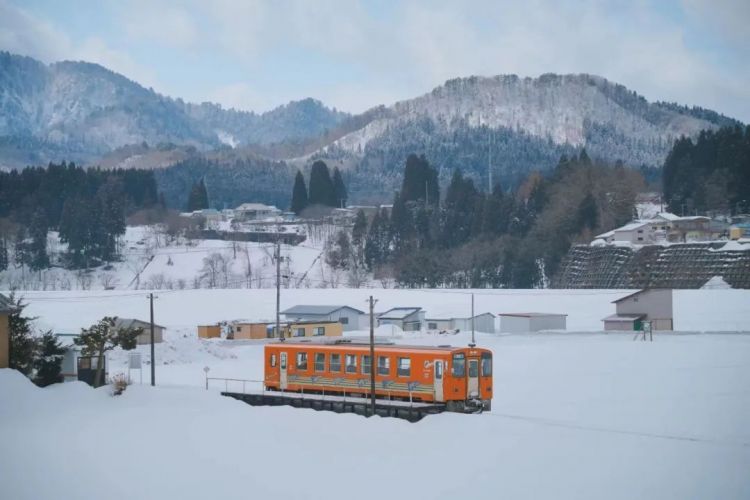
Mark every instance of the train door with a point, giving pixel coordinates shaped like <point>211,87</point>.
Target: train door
<point>282,371</point>
<point>473,386</point>
<point>438,383</point>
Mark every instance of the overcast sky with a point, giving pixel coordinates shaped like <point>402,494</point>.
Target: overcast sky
<point>256,55</point>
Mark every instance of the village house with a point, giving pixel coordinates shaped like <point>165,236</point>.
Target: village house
<point>349,317</point>
<point>145,337</point>
<point>407,318</point>
<point>654,305</point>
<point>255,211</point>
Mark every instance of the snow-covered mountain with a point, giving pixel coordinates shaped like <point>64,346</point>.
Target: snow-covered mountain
<point>81,111</point>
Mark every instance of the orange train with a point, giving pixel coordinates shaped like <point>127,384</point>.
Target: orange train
<point>460,377</point>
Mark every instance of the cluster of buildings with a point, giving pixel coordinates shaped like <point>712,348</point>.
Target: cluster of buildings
<point>665,228</point>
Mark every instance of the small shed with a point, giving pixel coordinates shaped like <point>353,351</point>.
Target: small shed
<point>482,323</point>
<point>145,337</point>
<point>69,365</point>
<point>209,331</point>
<point>651,304</point>
<point>532,322</point>
<point>348,316</point>
<point>409,319</point>
<point>245,331</point>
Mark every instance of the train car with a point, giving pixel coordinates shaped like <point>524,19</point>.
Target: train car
<point>460,377</point>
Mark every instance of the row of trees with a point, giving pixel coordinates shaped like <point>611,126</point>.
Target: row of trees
<point>87,206</point>
<point>710,174</point>
<point>498,239</point>
<point>325,190</point>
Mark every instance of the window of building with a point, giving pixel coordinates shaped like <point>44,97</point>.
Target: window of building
<point>319,330</point>
<point>351,363</point>
<point>432,326</point>
<point>335,363</point>
<point>459,365</point>
<point>320,362</point>
<point>239,329</point>
<point>273,360</point>
<point>299,332</point>
<point>384,365</point>
<point>365,364</point>
<point>270,333</point>
<point>486,364</point>
<point>404,367</point>
<point>302,361</point>
<point>344,320</point>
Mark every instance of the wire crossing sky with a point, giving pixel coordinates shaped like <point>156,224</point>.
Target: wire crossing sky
<point>256,55</point>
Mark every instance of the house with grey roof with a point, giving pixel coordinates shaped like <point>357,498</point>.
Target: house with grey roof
<point>409,319</point>
<point>651,304</point>
<point>349,317</point>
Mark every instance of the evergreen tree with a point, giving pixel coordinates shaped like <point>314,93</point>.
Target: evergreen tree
<point>103,337</point>
<point>339,188</point>
<point>37,249</point>
<point>322,190</point>
<point>198,199</point>
<point>401,227</point>
<point>3,254</point>
<point>299,194</point>
<point>21,339</point>
<point>420,181</point>
<point>359,231</point>
<point>588,215</point>
<point>48,363</point>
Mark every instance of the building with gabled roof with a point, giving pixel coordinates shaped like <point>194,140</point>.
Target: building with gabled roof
<point>650,304</point>
<point>348,316</point>
<point>406,318</point>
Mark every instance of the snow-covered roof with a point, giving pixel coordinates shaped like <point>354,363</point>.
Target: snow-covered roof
<point>257,206</point>
<point>716,283</point>
<point>316,310</point>
<point>667,216</point>
<point>606,235</point>
<point>134,323</point>
<point>629,318</point>
<point>631,226</point>
<point>399,312</point>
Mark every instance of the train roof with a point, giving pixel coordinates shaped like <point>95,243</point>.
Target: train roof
<point>378,344</point>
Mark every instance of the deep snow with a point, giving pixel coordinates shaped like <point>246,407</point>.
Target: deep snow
<point>574,416</point>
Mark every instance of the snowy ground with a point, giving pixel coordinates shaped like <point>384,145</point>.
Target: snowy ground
<point>579,414</point>
<point>574,416</point>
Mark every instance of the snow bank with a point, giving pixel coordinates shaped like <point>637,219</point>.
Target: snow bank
<point>574,416</point>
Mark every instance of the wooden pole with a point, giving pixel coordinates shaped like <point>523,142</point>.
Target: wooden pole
<point>278,287</point>
<point>372,356</point>
<point>153,361</point>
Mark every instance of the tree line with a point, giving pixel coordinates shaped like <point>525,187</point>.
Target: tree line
<point>710,174</point>
<point>469,238</point>
<point>87,206</point>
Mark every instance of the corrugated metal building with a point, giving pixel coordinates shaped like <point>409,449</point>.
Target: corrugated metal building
<point>532,322</point>
<point>349,317</point>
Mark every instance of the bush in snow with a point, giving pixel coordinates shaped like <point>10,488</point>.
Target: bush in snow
<point>119,383</point>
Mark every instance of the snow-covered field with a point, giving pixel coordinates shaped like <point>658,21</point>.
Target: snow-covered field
<point>574,416</point>
<point>580,414</point>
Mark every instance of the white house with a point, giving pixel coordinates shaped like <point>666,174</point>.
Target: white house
<point>145,337</point>
<point>482,323</point>
<point>255,211</point>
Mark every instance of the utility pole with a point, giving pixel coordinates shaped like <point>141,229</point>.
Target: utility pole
<point>372,355</point>
<point>278,286</point>
<point>473,343</point>
<point>153,360</point>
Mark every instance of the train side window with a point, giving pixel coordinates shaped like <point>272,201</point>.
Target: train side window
<point>438,370</point>
<point>335,363</point>
<point>273,360</point>
<point>320,362</point>
<point>404,367</point>
<point>302,361</point>
<point>486,364</point>
<point>351,363</point>
<point>384,365</point>
<point>365,364</point>
<point>459,365</point>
